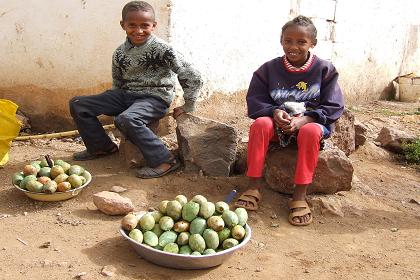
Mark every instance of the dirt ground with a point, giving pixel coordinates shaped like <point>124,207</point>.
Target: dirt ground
<point>373,231</point>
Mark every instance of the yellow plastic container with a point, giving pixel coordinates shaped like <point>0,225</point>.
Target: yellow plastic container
<point>409,88</point>
<point>9,128</point>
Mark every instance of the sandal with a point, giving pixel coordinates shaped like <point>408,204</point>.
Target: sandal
<point>294,204</point>
<point>251,197</point>
<point>86,155</point>
<point>149,172</point>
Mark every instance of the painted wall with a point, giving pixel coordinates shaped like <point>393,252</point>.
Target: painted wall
<point>53,50</point>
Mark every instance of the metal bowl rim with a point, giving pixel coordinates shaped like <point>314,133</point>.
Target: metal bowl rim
<point>224,252</point>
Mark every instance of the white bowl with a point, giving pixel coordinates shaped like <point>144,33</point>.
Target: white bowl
<point>184,261</point>
<point>57,196</point>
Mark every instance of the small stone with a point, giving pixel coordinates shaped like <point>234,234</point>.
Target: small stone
<point>261,245</point>
<point>274,225</point>
<point>306,271</point>
<point>117,189</point>
<point>394,229</point>
<point>45,245</point>
<point>258,269</point>
<point>414,200</point>
<point>58,214</point>
<point>25,213</point>
<point>45,263</point>
<point>274,216</point>
<point>108,270</point>
<point>80,275</point>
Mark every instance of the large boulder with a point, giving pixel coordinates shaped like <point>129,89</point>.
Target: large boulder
<point>334,171</point>
<point>344,134</point>
<point>206,145</point>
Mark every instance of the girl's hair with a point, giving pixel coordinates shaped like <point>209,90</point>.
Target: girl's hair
<point>301,21</point>
<point>137,6</point>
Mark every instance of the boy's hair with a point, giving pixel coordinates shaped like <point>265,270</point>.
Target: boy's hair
<point>301,21</point>
<point>137,6</point>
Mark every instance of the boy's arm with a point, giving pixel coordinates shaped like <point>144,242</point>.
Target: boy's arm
<point>258,99</point>
<point>116,73</point>
<point>331,105</point>
<point>189,79</point>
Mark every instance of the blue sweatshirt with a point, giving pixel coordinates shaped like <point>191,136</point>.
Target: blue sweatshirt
<point>274,83</point>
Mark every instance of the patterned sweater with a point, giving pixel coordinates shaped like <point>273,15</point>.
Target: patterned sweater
<point>275,82</point>
<point>152,68</point>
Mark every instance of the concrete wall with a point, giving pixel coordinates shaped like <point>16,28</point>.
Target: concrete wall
<point>53,50</point>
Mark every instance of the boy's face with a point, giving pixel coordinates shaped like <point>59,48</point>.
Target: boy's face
<point>296,41</point>
<point>138,25</point>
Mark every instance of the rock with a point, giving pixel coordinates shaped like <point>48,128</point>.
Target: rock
<point>117,189</point>
<point>129,153</point>
<point>360,131</point>
<point>372,152</point>
<point>108,270</point>
<point>328,204</point>
<point>112,203</point>
<point>344,134</point>
<point>206,145</point>
<point>333,174</point>
<point>241,158</point>
<point>81,275</point>
<point>393,138</point>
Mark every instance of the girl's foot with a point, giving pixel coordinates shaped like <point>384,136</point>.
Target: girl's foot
<point>300,214</point>
<point>249,200</point>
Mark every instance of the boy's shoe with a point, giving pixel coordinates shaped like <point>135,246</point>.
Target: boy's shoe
<point>85,155</point>
<point>149,172</point>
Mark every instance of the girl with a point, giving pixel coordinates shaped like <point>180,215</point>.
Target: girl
<point>297,77</point>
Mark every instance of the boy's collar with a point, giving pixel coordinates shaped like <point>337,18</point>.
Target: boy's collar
<point>128,45</point>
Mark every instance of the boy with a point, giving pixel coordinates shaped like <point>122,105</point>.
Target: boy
<point>143,70</point>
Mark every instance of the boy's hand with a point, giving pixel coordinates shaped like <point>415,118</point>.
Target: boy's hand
<point>295,124</point>
<point>281,118</point>
<point>178,111</point>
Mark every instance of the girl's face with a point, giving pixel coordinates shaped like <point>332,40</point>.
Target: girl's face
<point>296,41</point>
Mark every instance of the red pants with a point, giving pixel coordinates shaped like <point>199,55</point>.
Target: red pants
<point>308,140</point>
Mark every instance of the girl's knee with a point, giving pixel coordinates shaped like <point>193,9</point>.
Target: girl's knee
<point>262,124</point>
<point>310,131</point>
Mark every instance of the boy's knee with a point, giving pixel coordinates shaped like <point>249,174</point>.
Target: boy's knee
<point>123,122</point>
<point>73,102</point>
<point>262,123</point>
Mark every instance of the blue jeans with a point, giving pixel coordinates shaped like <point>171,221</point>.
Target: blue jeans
<point>132,115</point>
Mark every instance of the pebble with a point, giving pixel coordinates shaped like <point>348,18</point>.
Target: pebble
<point>274,225</point>
<point>25,213</point>
<point>80,275</point>
<point>117,189</point>
<point>108,270</point>
<point>258,269</point>
<point>46,245</point>
<point>274,216</point>
<point>394,229</point>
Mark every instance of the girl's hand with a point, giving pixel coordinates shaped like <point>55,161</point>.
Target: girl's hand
<point>296,123</point>
<point>281,118</point>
